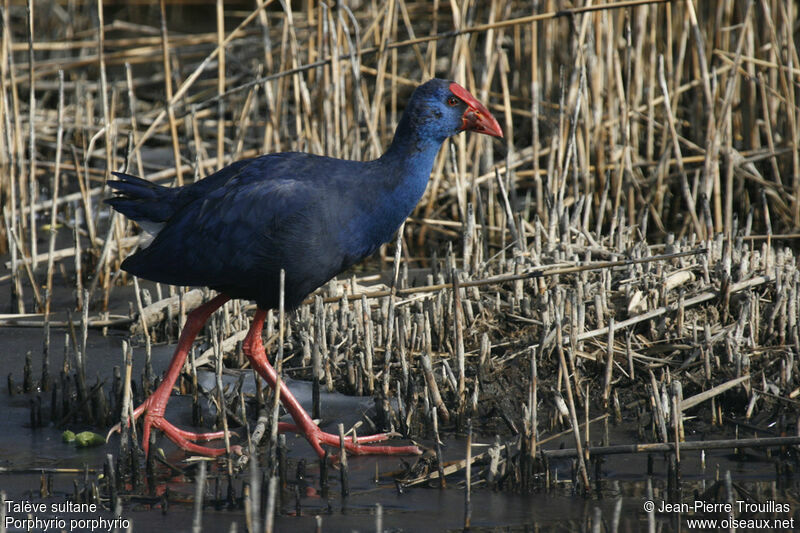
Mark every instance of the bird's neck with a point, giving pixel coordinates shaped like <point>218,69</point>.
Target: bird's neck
<point>412,154</point>
<point>393,185</point>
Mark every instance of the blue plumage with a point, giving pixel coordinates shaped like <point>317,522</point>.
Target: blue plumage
<point>310,215</point>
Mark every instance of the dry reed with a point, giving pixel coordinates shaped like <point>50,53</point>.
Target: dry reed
<point>633,130</point>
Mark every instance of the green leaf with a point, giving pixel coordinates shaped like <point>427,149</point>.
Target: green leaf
<point>87,439</point>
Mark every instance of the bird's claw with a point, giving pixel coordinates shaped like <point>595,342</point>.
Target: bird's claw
<point>116,428</point>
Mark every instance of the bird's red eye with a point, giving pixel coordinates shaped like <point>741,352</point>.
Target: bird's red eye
<point>452,101</point>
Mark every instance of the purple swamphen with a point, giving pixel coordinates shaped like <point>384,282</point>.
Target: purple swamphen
<point>309,215</point>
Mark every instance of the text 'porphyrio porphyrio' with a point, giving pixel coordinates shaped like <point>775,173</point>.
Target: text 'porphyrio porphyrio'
<point>309,215</point>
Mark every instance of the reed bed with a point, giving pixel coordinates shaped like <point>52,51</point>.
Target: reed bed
<point>626,252</point>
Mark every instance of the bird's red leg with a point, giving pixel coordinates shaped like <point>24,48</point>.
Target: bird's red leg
<point>254,350</point>
<point>153,408</point>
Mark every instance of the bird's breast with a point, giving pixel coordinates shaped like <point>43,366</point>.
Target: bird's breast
<point>379,216</point>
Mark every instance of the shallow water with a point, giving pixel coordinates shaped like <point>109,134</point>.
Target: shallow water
<point>24,451</point>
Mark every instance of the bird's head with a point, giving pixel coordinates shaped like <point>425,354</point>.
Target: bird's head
<point>442,108</point>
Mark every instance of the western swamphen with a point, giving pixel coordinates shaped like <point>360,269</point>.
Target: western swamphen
<point>309,215</point>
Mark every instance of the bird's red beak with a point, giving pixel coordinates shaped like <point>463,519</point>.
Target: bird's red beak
<point>476,118</point>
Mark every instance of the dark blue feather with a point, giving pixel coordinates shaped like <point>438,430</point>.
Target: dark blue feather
<point>310,215</point>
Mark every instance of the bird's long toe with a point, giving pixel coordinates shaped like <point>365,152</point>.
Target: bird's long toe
<point>201,437</point>
<point>184,439</point>
<point>117,428</point>
<point>360,446</point>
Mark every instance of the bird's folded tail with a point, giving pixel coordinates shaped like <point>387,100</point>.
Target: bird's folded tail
<point>147,203</point>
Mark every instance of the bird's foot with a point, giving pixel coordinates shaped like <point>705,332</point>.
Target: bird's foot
<point>153,411</point>
<point>184,439</point>
<point>354,445</point>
